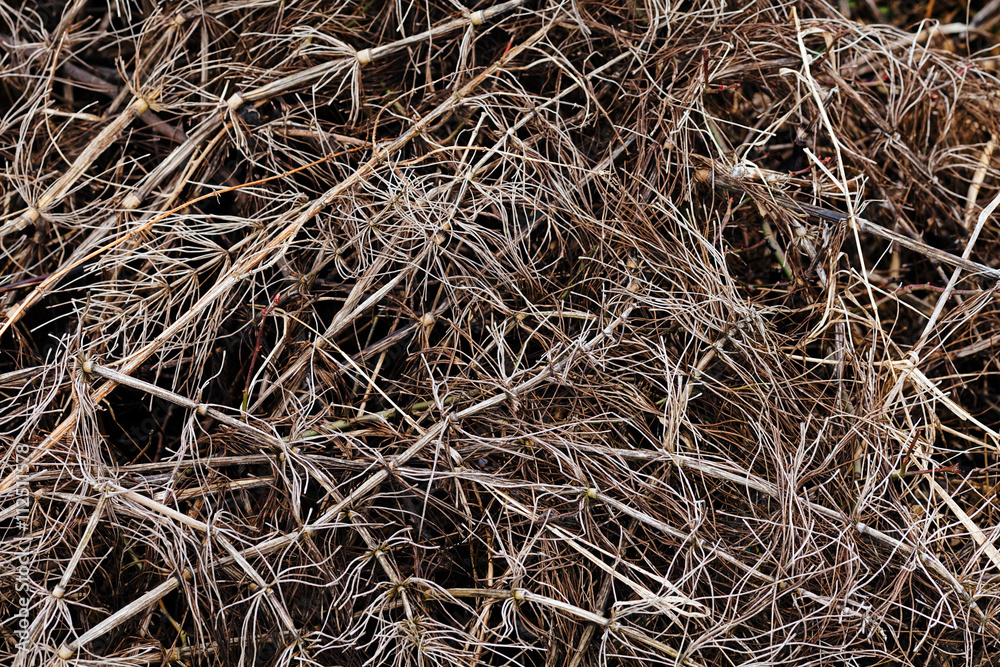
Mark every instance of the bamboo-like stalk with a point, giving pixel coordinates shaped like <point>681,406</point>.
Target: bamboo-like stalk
<point>95,517</point>
<point>138,107</point>
<point>137,606</point>
<point>55,192</point>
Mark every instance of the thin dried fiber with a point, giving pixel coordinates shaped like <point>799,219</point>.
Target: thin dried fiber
<point>527,333</point>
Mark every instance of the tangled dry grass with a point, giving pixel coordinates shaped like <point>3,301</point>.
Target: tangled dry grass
<point>535,333</point>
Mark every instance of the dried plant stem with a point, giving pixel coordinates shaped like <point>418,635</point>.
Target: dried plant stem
<point>366,56</point>
<point>587,636</point>
<point>349,312</point>
<point>95,517</point>
<point>17,312</point>
<point>331,515</point>
<point>866,226</point>
<point>94,149</point>
<point>154,596</point>
<point>746,480</point>
<point>977,181</point>
<point>273,443</point>
<point>256,351</point>
<point>137,606</point>
<point>943,299</point>
<point>182,153</point>
<point>520,595</point>
<point>432,433</point>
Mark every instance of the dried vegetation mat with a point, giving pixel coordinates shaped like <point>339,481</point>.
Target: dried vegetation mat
<point>534,333</point>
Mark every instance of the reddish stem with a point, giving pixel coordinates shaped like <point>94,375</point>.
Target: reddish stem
<point>932,470</point>
<point>720,87</point>
<point>264,312</point>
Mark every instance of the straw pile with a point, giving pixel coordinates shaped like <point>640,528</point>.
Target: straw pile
<point>568,333</point>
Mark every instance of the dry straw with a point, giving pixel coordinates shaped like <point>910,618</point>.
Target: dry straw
<point>514,334</point>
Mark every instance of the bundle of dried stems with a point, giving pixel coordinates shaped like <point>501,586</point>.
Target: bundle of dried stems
<point>530,333</point>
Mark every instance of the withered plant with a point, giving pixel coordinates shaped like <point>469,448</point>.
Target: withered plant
<point>530,333</point>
